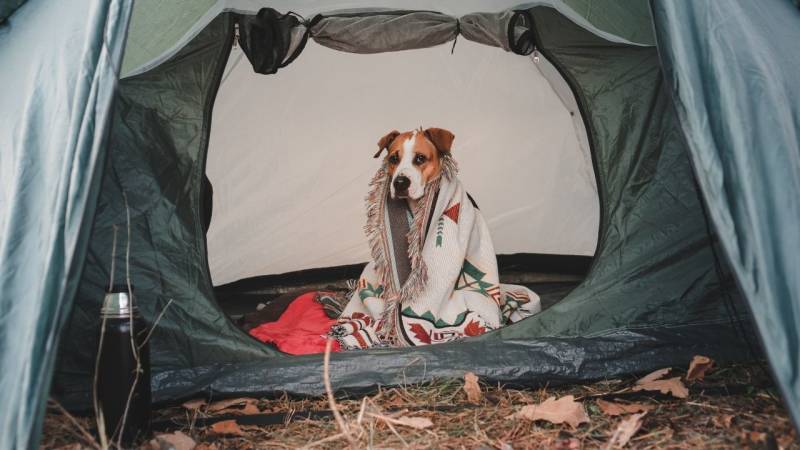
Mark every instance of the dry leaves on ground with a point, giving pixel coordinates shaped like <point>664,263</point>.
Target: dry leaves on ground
<point>472,388</point>
<point>617,409</point>
<point>626,429</point>
<point>227,428</point>
<point>563,410</point>
<point>243,405</point>
<point>698,367</point>
<point>654,382</point>
<point>172,441</point>
<point>723,421</point>
<point>418,423</point>
<point>194,405</point>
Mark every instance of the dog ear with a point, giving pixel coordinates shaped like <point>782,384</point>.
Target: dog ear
<point>441,138</point>
<point>386,141</point>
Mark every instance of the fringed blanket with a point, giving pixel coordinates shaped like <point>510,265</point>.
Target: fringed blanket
<point>433,275</point>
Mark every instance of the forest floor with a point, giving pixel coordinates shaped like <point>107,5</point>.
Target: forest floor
<point>697,407</point>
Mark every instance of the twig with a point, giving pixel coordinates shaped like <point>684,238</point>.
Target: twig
<point>155,323</point>
<point>113,257</point>
<point>331,400</point>
<point>84,433</point>
<point>324,440</point>
<point>388,421</point>
<point>361,411</point>
<point>98,410</point>
<point>710,406</point>
<point>134,347</point>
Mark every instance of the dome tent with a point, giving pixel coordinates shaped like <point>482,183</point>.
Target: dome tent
<point>655,295</point>
<point>173,99</point>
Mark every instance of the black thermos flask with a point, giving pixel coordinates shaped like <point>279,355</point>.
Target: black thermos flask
<point>118,386</point>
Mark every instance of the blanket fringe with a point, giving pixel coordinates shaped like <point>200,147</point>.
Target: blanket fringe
<point>396,296</point>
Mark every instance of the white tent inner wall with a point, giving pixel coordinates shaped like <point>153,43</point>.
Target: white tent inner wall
<point>290,154</point>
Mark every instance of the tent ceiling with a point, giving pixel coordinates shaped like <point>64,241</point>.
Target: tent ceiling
<point>290,154</point>
<point>158,25</point>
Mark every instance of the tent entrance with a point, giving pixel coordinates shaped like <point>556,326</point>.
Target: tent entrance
<point>290,159</point>
<point>651,297</point>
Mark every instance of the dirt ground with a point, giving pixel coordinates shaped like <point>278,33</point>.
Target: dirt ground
<point>731,407</point>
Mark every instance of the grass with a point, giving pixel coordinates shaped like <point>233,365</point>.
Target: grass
<point>733,407</point>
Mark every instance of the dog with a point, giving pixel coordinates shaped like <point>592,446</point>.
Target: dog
<point>433,275</point>
<point>414,158</point>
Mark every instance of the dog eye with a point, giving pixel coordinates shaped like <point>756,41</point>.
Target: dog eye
<point>394,159</point>
<point>419,159</point>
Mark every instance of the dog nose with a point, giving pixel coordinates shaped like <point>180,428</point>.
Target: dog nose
<point>401,183</point>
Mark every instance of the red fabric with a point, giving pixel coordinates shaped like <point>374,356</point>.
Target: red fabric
<point>301,328</point>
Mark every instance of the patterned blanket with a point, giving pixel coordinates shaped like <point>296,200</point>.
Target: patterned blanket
<point>433,275</point>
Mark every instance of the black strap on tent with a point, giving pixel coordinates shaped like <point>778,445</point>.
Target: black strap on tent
<point>520,33</point>
<point>455,39</point>
<point>266,39</point>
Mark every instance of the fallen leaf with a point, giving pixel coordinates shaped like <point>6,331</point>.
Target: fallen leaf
<point>698,367</point>
<point>418,423</point>
<point>672,386</point>
<point>723,421</point>
<point>472,388</point>
<point>563,410</point>
<point>247,410</point>
<point>653,382</point>
<point>223,405</point>
<point>754,436</point>
<point>227,427</point>
<point>655,375</point>
<point>626,429</point>
<point>242,406</point>
<point>173,441</point>
<point>195,404</point>
<point>617,409</point>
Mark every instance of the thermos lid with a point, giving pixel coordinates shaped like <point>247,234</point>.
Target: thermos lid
<point>118,303</point>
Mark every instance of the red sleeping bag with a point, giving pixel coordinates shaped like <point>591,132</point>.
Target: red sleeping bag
<point>301,329</point>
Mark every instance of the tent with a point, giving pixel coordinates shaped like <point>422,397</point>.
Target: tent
<point>673,160</point>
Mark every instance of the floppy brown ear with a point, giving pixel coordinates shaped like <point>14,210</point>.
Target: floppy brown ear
<point>386,141</point>
<point>441,138</point>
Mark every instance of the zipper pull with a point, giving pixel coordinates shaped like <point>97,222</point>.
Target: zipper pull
<point>535,54</point>
<point>236,35</point>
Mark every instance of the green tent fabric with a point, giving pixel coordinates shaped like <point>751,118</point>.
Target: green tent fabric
<point>733,74</point>
<point>659,125</point>
<point>653,233</point>
<point>7,7</point>
<point>58,88</point>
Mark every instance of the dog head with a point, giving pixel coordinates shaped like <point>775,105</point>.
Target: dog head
<point>414,158</point>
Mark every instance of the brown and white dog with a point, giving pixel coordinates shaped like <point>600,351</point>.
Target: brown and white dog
<point>433,274</point>
<point>413,158</point>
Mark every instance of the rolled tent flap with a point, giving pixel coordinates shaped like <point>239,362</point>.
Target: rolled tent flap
<point>383,31</point>
<point>487,28</point>
<point>509,30</point>
<point>271,40</point>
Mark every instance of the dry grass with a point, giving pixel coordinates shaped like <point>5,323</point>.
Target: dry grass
<point>734,407</point>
